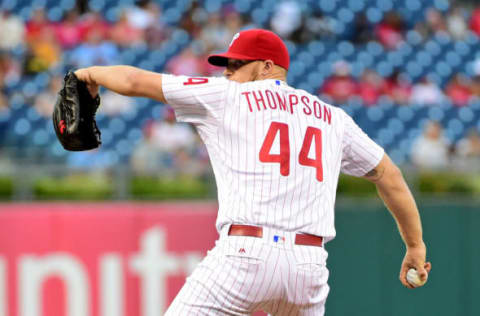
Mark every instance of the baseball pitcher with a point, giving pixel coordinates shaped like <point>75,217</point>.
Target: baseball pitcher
<point>277,153</point>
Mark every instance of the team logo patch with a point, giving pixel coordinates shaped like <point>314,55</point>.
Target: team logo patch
<point>234,38</point>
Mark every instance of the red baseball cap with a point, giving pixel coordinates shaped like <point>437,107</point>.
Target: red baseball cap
<point>254,44</point>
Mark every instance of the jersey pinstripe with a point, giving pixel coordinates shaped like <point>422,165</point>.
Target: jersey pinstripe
<point>276,151</point>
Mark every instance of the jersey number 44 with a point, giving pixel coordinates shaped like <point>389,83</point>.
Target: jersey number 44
<point>312,135</point>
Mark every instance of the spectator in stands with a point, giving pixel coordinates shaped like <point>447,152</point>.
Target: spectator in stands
<point>93,22</point>
<point>3,103</point>
<point>362,30</point>
<point>188,63</point>
<point>286,19</point>
<point>191,161</point>
<point>45,101</point>
<point>435,22</point>
<point>315,25</point>
<point>69,34</point>
<point>426,92</point>
<point>194,19</point>
<point>113,104</point>
<point>142,15</point>
<point>398,88</point>
<point>37,24</point>
<point>431,149</point>
<point>214,35</point>
<point>468,152</point>
<point>171,136</point>
<point>201,160</point>
<point>390,32</point>
<point>457,23</point>
<point>233,22</point>
<point>459,90</point>
<point>475,86</point>
<point>248,23</point>
<point>209,69</point>
<point>44,51</point>
<point>147,158</point>
<point>10,70</point>
<point>341,85</point>
<point>12,31</point>
<point>370,87</point>
<point>95,51</point>
<point>422,29</point>
<point>157,32</point>
<point>125,34</point>
<point>475,21</point>
<point>166,145</point>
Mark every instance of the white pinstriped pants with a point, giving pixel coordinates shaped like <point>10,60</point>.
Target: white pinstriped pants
<point>241,275</point>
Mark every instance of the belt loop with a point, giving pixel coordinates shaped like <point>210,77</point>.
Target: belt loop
<point>224,230</point>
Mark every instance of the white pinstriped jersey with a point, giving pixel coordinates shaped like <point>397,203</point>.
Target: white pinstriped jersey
<point>276,151</point>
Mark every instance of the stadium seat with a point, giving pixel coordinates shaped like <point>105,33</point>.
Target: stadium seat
<point>436,114</point>
<point>22,127</point>
<point>374,15</point>
<point>327,6</point>
<point>433,48</point>
<point>134,135</point>
<point>375,49</point>
<point>466,115</point>
<point>345,15</point>
<point>443,69</point>
<point>107,138</point>
<point>396,126</point>
<point>405,113</point>
<point>414,70</point>
<point>123,148</point>
<point>316,48</point>
<point>424,59</point>
<point>116,126</point>
<point>441,5</point>
<point>307,59</point>
<point>346,48</point>
<point>384,69</point>
<point>40,137</point>
<point>413,38</point>
<point>356,5</point>
<point>366,59</point>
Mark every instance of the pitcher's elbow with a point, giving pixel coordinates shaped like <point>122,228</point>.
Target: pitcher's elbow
<point>131,84</point>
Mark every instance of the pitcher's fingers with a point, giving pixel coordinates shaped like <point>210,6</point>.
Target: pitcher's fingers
<point>422,272</point>
<point>403,277</point>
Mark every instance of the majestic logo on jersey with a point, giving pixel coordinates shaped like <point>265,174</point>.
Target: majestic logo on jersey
<point>234,38</point>
<point>242,250</point>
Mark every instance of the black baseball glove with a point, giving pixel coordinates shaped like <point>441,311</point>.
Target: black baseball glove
<point>74,115</point>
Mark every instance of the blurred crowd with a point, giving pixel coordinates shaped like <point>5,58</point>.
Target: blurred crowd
<point>339,88</point>
<point>83,37</point>
<point>433,151</point>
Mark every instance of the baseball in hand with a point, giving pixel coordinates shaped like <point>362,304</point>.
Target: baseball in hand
<point>414,279</point>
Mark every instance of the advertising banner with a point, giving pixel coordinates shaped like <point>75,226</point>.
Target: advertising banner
<point>115,259</point>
